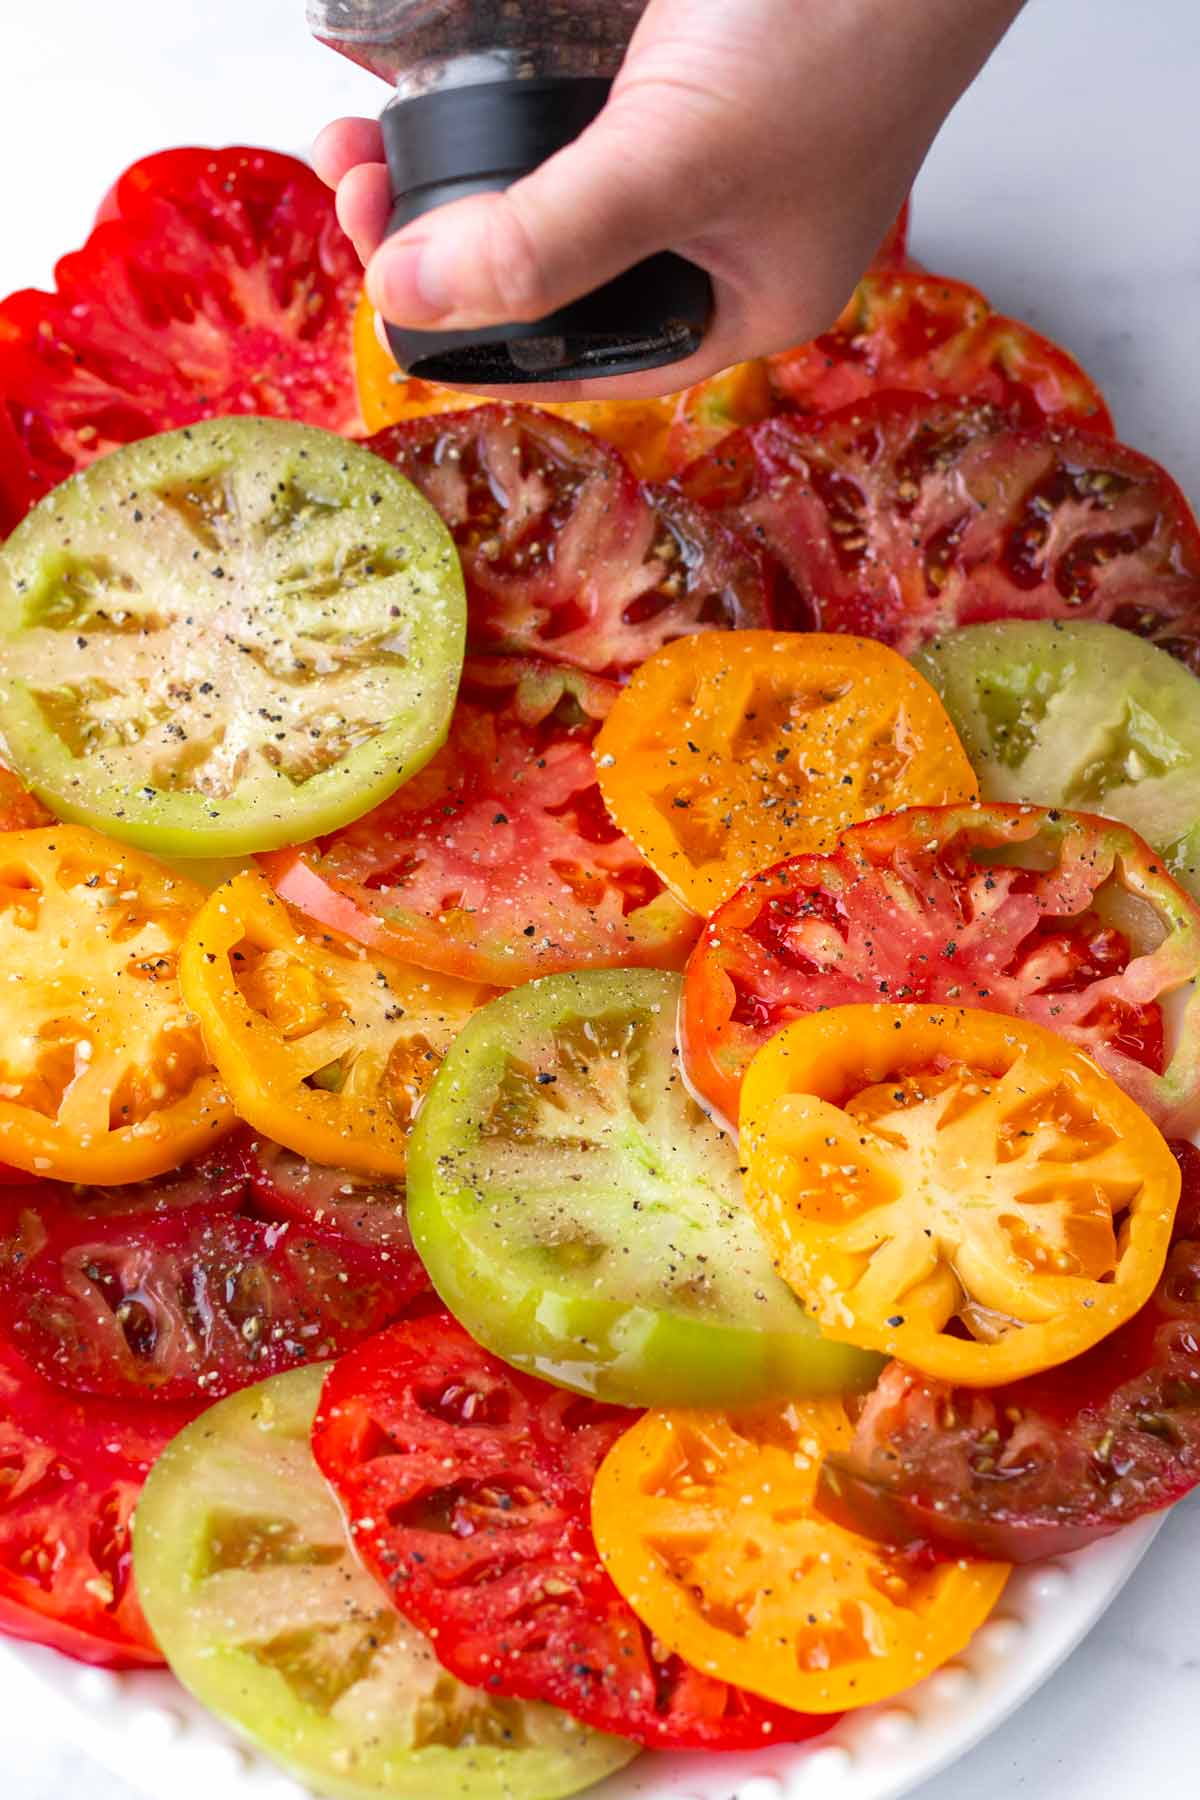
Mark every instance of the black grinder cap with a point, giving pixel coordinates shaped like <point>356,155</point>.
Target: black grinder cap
<point>479,139</point>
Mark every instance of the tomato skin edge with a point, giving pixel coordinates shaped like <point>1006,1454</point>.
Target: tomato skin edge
<point>30,1627</point>
<point>320,897</point>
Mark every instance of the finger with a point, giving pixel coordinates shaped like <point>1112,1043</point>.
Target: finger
<point>589,213</point>
<point>345,144</point>
<point>364,204</point>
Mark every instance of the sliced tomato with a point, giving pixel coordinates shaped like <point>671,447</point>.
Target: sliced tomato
<point>228,637</point>
<point>185,1303</point>
<point>564,553</point>
<point>906,329</point>
<point>704,415</point>
<point>954,1187</point>
<point>1046,1465</point>
<point>1059,917</point>
<point>894,248</point>
<point>706,1522</point>
<point>218,282</point>
<point>722,756</point>
<point>289,1187</point>
<point>220,1182</point>
<point>103,1074</point>
<point>191,1305</point>
<point>498,862</point>
<point>71,1470</point>
<point>467,1487</point>
<point>900,517</point>
<point>324,1046</point>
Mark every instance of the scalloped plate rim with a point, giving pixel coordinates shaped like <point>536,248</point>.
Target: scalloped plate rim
<point>880,1753</point>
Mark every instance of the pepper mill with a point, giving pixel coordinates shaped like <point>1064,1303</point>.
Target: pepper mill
<point>485,92</point>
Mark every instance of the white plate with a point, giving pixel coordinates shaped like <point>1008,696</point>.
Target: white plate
<point>155,1737</point>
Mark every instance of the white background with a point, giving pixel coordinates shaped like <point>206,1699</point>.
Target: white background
<point>1068,187</point>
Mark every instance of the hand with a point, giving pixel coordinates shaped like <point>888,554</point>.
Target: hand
<point>771,141</point>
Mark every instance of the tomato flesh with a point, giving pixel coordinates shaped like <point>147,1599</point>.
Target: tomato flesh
<point>916,331</point>
<point>105,1077</point>
<point>218,282</point>
<point>291,1187</point>
<point>498,862</point>
<point>1046,1465</point>
<point>71,1471</point>
<point>185,1302</point>
<point>565,555</point>
<point>467,1487</point>
<point>724,754</point>
<point>1015,909</point>
<point>900,518</point>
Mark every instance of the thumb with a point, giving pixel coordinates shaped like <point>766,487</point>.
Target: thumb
<point>602,204</point>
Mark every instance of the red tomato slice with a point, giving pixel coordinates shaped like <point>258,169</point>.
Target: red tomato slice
<point>218,282</point>
<point>893,252</point>
<point>218,1183</point>
<point>184,1303</point>
<point>498,862</point>
<point>1049,1464</point>
<point>71,1471</point>
<point>1058,917</point>
<point>906,329</point>
<point>564,553</point>
<point>900,518</point>
<point>468,1491</point>
<point>287,1186</point>
<point>19,809</point>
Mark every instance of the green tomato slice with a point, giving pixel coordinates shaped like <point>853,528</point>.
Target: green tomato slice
<point>228,638</point>
<point>1083,715</point>
<point>582,1217</point>
<point>246,1573</point>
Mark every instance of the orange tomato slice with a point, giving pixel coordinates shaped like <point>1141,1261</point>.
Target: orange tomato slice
<point>325,1047</point>
<point>955,1188</point>
<point>104,1076</point>
<point>707,1525</point>
<point>731,750</point>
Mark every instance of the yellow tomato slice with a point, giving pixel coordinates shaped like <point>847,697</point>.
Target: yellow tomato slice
<point>103,1072</point>
<point>955,1188</point>
<point>731,750</point>
<point>386,395</point>
<point>706,1523</point>
<point>325,1047</point>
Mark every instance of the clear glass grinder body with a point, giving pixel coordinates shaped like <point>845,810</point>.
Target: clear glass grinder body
<point>484,92</point>
<point>419,45</point>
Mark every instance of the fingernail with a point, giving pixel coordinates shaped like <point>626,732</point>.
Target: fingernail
<point>406,281</point>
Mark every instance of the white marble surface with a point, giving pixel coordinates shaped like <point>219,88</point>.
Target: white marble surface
<point>1066,186</point>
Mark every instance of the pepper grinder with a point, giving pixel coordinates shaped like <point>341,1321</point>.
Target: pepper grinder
<point>485,92</point>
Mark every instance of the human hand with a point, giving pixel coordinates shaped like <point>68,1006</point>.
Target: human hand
<point>771,141</point>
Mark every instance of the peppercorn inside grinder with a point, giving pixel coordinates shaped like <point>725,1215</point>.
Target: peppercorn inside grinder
<point>486,91</point>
